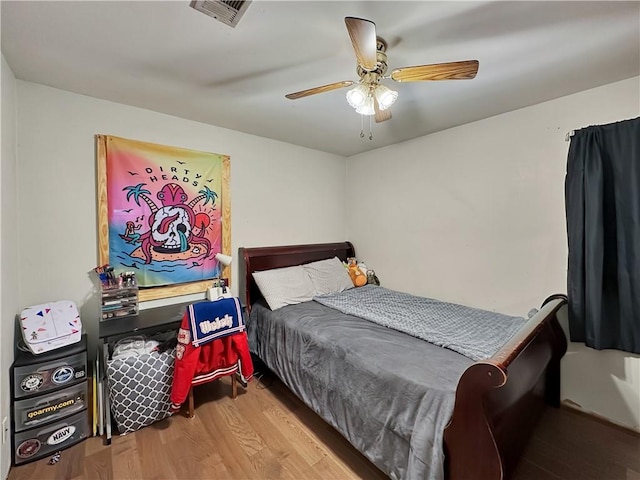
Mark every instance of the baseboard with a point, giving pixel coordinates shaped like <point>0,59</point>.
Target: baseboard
<point>574,407</point>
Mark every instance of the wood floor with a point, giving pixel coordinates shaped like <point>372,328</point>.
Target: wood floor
<point>267,433</point>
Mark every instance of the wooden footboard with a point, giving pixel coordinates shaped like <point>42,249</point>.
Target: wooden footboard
<point>499,400</point>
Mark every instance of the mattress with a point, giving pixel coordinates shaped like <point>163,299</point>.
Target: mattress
<point>389,394</point>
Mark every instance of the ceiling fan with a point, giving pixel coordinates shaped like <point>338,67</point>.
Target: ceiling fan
<point>370,96</point>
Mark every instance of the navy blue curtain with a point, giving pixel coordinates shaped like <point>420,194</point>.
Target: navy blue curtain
<point>602,194</point>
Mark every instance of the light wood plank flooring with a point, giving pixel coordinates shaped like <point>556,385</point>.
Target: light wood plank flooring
<point>267,433</point>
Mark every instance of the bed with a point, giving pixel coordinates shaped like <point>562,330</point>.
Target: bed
<point>414,409</point>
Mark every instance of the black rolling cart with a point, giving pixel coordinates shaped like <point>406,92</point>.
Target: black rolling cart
<point>50,397</point>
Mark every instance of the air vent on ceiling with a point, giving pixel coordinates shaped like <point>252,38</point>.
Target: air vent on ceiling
<point>226,11</point>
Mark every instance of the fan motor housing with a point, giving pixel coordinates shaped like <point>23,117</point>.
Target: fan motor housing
<point>381,57</point>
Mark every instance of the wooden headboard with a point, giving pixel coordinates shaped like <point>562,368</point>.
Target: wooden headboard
<point>256,259</point>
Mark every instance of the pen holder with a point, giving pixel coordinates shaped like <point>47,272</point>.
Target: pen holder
<point>214,293</point>
<point>119,302</point>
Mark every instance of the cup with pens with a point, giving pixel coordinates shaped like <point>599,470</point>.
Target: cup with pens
<point>109,279</point>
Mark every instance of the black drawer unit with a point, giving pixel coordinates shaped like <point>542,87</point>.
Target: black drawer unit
<point>45,440</point>
<point>50,397</point>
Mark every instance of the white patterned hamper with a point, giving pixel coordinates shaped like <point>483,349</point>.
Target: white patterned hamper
<point>139,389</point>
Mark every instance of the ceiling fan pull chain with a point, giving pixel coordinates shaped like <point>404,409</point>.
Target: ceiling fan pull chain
<point>370,132</point>
<point>361,126</point>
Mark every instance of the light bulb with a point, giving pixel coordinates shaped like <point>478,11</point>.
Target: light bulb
<point>357,95</point>
<point>385,96</point>
<point>367,107</point>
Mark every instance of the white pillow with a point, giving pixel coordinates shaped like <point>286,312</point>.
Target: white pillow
<point>328,276</point>
<point>285,286</point>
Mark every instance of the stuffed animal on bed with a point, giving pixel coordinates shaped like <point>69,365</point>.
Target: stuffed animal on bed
<point>357,276</point>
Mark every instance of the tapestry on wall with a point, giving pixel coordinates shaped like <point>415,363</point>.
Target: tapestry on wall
<point>164,214</point>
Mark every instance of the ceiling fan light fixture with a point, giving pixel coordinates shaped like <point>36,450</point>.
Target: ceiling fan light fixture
<point>385,96</point>
<point>358,95</point>
<point>369,97</point>
<point>367,107</point>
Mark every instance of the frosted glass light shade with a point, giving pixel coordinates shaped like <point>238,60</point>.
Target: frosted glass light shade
<point>224,259</point>
<point>385,96</point>
<point>367,107</point>
<point>357,95</point>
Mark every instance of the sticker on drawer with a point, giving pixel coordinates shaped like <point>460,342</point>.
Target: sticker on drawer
<point>61,375</point>
<point>59,407</point>
<point>28,448</point>
<point>36,379</point>
<point>61,435</point>
<point>32,383</point>
<point>47,408</point>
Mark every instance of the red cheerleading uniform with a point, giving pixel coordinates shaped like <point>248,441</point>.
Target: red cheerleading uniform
<point>197,365</point>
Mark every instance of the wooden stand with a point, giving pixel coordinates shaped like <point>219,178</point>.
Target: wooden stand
<point>234,394</point>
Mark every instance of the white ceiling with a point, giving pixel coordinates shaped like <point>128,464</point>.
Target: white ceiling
<point>167,57</point>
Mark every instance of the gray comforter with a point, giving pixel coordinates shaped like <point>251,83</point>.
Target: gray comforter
<point>391,395</point>
<point>477,334</point>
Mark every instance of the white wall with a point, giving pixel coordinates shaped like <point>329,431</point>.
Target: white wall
<point>475,215</point>
<point>476,212</point>
<point>8,250</point>
<point>273,200</point>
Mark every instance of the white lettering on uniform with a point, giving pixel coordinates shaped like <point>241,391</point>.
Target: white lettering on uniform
<point>207,326</point>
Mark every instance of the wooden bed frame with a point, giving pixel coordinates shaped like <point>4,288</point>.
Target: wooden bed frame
<point>498,400</point>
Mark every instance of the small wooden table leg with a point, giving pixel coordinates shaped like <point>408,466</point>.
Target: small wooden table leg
<point>234,386</point>
<point>191,406</point>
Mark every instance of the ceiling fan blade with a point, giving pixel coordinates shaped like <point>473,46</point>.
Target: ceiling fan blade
<point>380,115</point>
<point>363,38</point>
<point>322,89</point>
<point>437,71</point>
